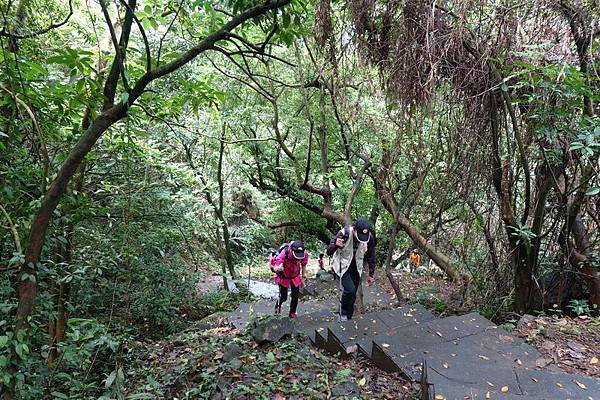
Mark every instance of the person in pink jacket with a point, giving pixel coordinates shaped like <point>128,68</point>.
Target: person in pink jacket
<point>290,271</point>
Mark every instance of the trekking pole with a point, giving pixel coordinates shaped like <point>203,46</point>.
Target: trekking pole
<point>341,294</point>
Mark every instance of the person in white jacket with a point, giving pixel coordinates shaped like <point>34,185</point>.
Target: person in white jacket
<point>350,248</point>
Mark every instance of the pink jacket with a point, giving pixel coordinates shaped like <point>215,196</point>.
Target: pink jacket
<point>292,268</point>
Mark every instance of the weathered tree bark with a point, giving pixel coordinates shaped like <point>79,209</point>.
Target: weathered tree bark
<point>388,264</point>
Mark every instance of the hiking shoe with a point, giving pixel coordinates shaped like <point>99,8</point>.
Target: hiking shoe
<point>343,318</point>
<point>293,315</point>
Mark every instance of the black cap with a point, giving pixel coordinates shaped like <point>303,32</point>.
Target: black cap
<point>363,229</point>
<point>298,249</point>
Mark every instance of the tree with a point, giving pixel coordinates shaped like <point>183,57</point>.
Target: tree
<point>111,113</point>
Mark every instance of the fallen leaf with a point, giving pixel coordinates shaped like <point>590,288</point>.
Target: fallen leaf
<point>218,355</point>
<point>519,362</point>
<point>488,395</point>
<point>542,362</point>
<point>446,365</point>
<point>548,345</point>
<point>385,345</point>
<point>484,357</point>
<point>489,383</point>
<point>504,389</point>
<point>559,384</point>
<point>362,381</point>
<point>439,397</point>
<point>581,385</point>
<point>594,360</point>
<point>438,333</point>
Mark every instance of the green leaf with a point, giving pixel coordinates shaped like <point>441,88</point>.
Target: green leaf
<point>124,97</point>
<point>139,396</point>
<point>3,341</point>
<point>19,351</point>
<point>111,379</point>
<point>59,395</point>
<point>270,357</point>
<point>592,191</point>
<point>344,373</point>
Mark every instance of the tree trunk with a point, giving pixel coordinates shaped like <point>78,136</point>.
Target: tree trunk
<point>111,114</point>
<point>439,258</point>
<point>404,223</point>
<point>582,260</point>
<point>39,226</point>
<point>388,264</point>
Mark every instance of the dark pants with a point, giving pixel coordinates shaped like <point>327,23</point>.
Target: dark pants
<point>350,283</point>
<point>283,294</point>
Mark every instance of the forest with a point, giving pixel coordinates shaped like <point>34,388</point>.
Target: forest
<point>148,147</point>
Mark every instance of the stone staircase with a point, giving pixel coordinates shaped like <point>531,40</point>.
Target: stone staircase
<point>454,358</point>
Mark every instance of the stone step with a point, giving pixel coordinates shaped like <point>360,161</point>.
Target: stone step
<point>442,388</point>
<point>374,296</point>
<point>397,319</point>
<point>467,357</point>
<point>527,384</point>
<point>558,385</point>
<point>311,313</point>
<point>390,348</point>
<point>349,336</point>
<point>485,352</point>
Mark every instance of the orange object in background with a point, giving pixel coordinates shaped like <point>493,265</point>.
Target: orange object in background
<point>415,260</point>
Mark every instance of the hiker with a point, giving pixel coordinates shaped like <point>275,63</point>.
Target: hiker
<point>414,260</point>
<point>350,248</point>
<point>289,266</point>
<point>321,262</point>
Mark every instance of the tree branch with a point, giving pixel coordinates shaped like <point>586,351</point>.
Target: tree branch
<point>5,33</point>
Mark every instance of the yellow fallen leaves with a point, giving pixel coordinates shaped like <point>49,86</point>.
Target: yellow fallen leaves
<point>594,360</point>
<point>484,357</point>
<point>439,397</point>
<point>445,365</point>
<point>362,381</point>
<point>581,385</point>
<point>504,389</point>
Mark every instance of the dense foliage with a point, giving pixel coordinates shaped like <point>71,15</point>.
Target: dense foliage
<point>144,145</point>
